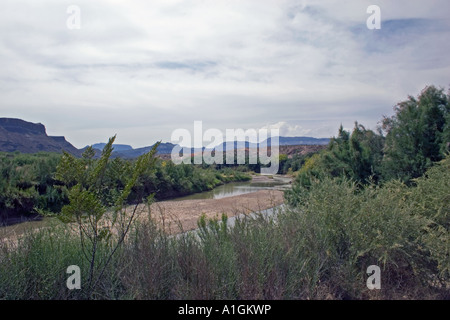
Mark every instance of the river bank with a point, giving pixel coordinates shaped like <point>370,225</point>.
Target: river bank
<point>181,214</point>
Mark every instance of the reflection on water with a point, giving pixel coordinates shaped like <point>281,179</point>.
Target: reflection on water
<point>236,188</point>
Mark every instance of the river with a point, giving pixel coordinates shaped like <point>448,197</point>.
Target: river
<point>227,190</point>
<point>238,188</point>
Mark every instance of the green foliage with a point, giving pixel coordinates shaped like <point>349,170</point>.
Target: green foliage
<point>431,199</point>
<point>356,156</point>
<point>170,180</point>
<point>319,249</point>
<point>27,184</point>
<point>30,183</point>
<point>87,204</point>
<point>35,267</point>
<point>365,200</point>
<point>292,164</point>
<point>404,230</point>
<point>417,135</point>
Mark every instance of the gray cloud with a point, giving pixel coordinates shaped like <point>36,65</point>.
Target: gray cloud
<point>144,68</point>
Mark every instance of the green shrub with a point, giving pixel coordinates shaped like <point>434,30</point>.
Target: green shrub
<point>404,230</point>
<point>431,199</point>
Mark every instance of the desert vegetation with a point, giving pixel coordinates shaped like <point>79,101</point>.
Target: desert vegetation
<point>29,187</point>
<point>370,198</point>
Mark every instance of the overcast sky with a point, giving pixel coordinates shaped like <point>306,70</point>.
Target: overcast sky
<point>142,69</point>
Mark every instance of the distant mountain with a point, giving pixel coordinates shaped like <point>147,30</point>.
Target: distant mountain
<point>296,141</point>
<point>163,148</point>
<point>127,152</point>
<point>166,148</point>
<point>117,147</point>
<point>282,141</point>
<point>28,137</point>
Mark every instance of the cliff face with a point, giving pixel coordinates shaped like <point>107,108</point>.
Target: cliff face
<point>21,126</point>
<point>27,137</point>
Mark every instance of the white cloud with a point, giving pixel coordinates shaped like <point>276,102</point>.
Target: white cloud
<point>288,130</point>
<point>144,68</point>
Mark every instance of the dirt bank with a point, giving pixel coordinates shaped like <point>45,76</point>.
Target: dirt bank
<point>175,214</point>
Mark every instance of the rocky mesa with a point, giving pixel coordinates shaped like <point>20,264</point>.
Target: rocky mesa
<point>27,137</point>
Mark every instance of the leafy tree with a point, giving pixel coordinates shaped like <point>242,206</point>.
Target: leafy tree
<point>417,134</point>
<point>26,184</point>
<point>355,156</point>
<point>282,161</point>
